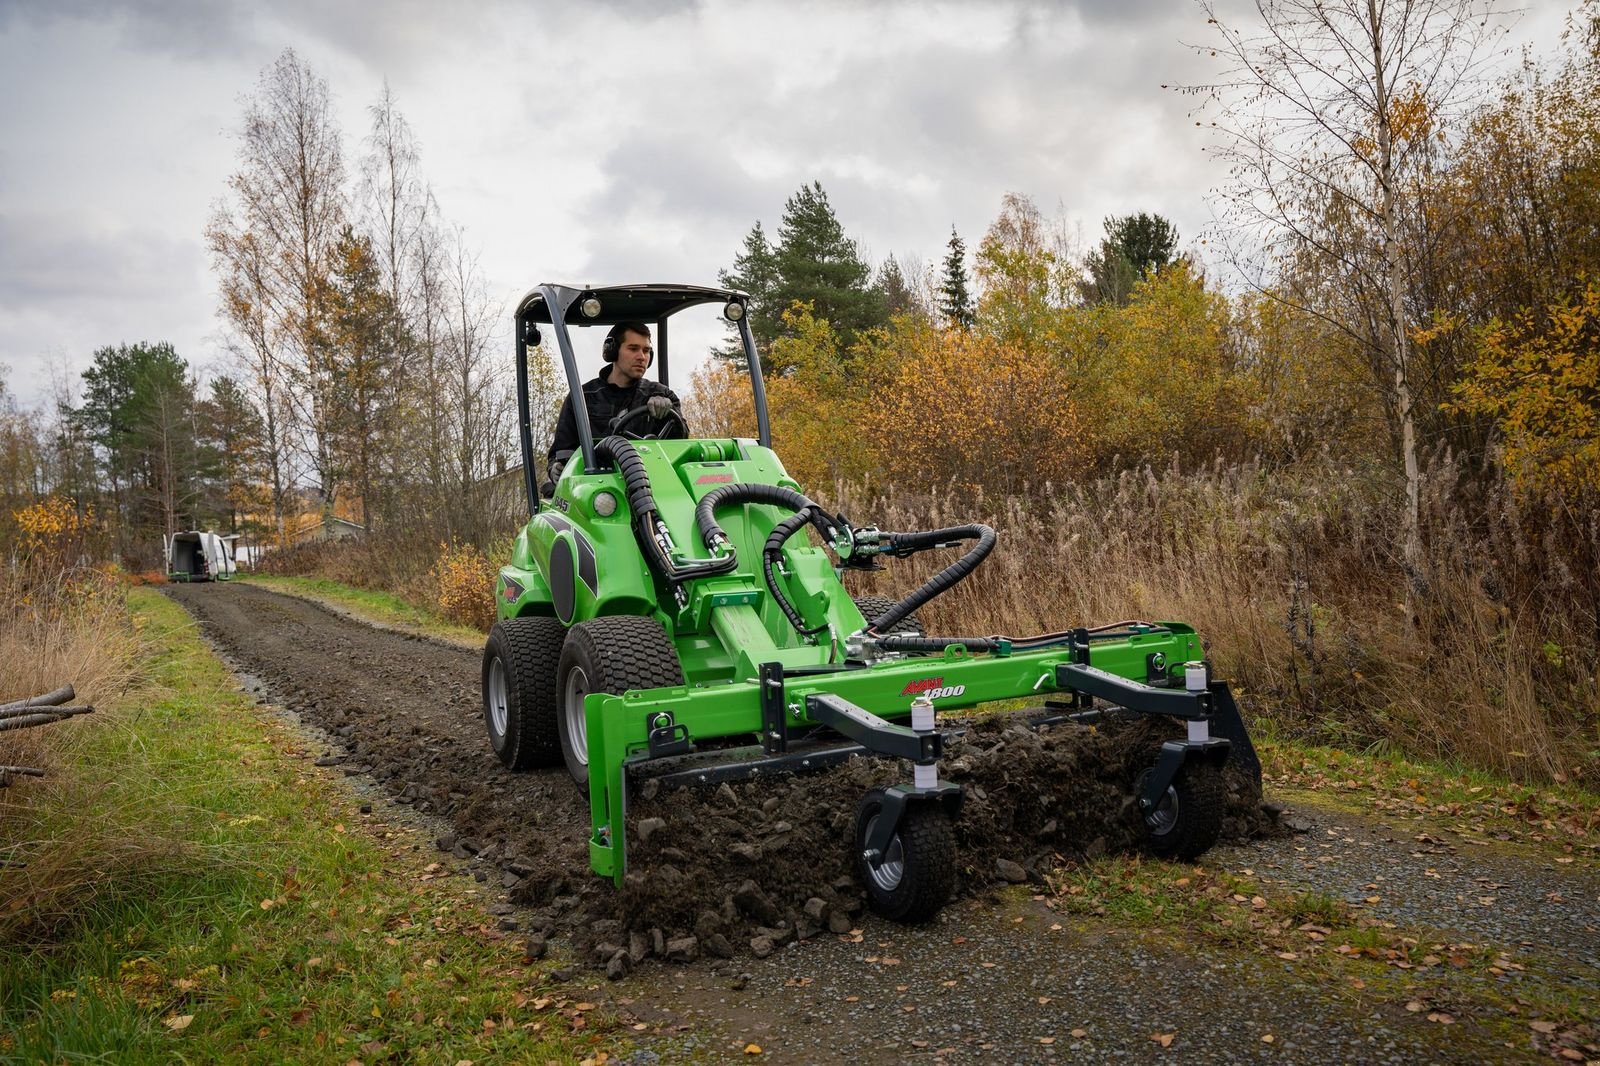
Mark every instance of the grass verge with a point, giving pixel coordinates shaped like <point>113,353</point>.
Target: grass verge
<point>1561,820</point>
<point>269,919</point>
<point>383,608</point>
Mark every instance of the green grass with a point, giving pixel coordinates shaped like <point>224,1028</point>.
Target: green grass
<point>382,607</point>
<point>1560,821</point>
<point>1312,934</point>
<point>265,919</point>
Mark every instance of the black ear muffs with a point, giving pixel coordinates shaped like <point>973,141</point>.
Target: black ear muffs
<point>609,350</point>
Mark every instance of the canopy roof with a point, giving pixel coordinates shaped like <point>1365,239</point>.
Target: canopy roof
<point>620,303</point>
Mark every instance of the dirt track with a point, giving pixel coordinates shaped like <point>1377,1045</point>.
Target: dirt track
<point>979,982</point>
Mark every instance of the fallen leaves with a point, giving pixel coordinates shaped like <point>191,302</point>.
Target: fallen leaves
<point>177,1022</point>
<point>1164,1039</point>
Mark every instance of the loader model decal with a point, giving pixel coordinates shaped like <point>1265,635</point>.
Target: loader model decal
<point>934,688</point>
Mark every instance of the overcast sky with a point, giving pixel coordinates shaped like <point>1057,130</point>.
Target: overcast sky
<point>588,143</point>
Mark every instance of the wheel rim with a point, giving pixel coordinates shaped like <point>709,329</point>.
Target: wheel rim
<point>577,726</point>
<point>499,712</point>
<point>1161,819</point>
<point>887,871</point>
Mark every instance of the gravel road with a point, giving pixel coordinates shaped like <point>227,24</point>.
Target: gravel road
<point>998,978</point>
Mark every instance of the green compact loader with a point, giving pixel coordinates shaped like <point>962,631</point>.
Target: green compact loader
<point>659,608</point>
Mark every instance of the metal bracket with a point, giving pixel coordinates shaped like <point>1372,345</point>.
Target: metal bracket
<point>1091,681</point>
<point>666,741</point>
<point>774,725</point>
<point>874,733</point>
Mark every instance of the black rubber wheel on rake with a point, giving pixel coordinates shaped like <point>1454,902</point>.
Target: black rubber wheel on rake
<point>611,655</point>
<point>1188,820</point>
<point>913,879</point>
<point>873,606</point>
<point>519,691</point>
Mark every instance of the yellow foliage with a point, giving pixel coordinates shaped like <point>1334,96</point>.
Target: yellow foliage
<point>52,531</point>
<point>965,409</point>
<point>1538,378</point>
<point>464,579</point>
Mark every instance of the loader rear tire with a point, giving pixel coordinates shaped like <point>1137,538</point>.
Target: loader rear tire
<point>613,655</point>
<point>519,691</point>
<point>915,877</point>
<point>1188,820</point>
<point>872,606</point>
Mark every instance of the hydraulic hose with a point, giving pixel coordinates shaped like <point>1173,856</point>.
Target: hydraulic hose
<point>807,511</point>
<point>907,543</point>
<point>648,528</point>
<point>713,534</point>
<point>770,554</point>
<point>899,642</point>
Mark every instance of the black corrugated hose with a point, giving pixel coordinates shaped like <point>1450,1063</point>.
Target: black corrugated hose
<point>906,544</point>
<point>642,504</point>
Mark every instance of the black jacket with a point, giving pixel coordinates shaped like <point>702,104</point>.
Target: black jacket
<point>605,402</point>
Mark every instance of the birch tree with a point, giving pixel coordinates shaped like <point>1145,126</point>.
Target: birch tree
<point>289,194</point>
<point>1324,115</point>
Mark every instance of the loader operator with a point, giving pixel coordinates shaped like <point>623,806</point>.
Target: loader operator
<point>620,389</point>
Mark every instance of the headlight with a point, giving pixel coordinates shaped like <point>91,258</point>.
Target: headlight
<point>590,308</point>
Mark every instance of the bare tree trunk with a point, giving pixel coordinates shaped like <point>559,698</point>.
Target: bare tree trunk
<point>1394,277</point>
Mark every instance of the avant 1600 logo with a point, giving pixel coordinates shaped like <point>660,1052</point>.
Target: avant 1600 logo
<point>934,688</point>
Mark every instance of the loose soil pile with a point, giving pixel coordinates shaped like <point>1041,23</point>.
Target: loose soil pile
<point>739,868</point>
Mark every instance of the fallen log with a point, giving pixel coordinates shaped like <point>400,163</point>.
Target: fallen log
<point>28,721</point>
<point>36,711</point>
<point>25,711</point>
<point>8,772</point>
<point>49,699</point>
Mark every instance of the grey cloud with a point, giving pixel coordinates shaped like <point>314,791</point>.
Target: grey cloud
<point>186,28</point>
<point>46,258</point>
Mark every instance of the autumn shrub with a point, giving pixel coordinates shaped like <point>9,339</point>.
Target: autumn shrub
<point>463,579</point>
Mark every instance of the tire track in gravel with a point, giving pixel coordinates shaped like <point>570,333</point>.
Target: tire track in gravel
<point>977,984</point>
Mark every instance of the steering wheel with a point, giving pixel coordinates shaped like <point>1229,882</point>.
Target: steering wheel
<point>673,428</point>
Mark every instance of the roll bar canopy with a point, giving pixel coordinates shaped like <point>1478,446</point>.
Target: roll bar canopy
<point>559,306</point>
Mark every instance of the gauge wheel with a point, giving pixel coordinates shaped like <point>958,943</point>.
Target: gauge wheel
<point>915,875</point>
<point>1188,820</point>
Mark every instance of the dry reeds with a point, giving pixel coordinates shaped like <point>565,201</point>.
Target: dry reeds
<point>67,627</point>
<point>1293,578</point>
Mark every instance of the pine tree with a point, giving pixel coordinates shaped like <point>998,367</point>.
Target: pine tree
<point>955,293</point>
<point>1134,247</point>
<point>899,298</point>
<point>233,455</point>
<point>817,264</point>
<point>814,263</point>
<point>754,272</point>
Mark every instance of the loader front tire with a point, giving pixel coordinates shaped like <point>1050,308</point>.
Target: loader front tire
<point>519,691</point>
<point>913,879</point>
<point>1188,820</point>
<point>873,606</point>
<point>612,655</point>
